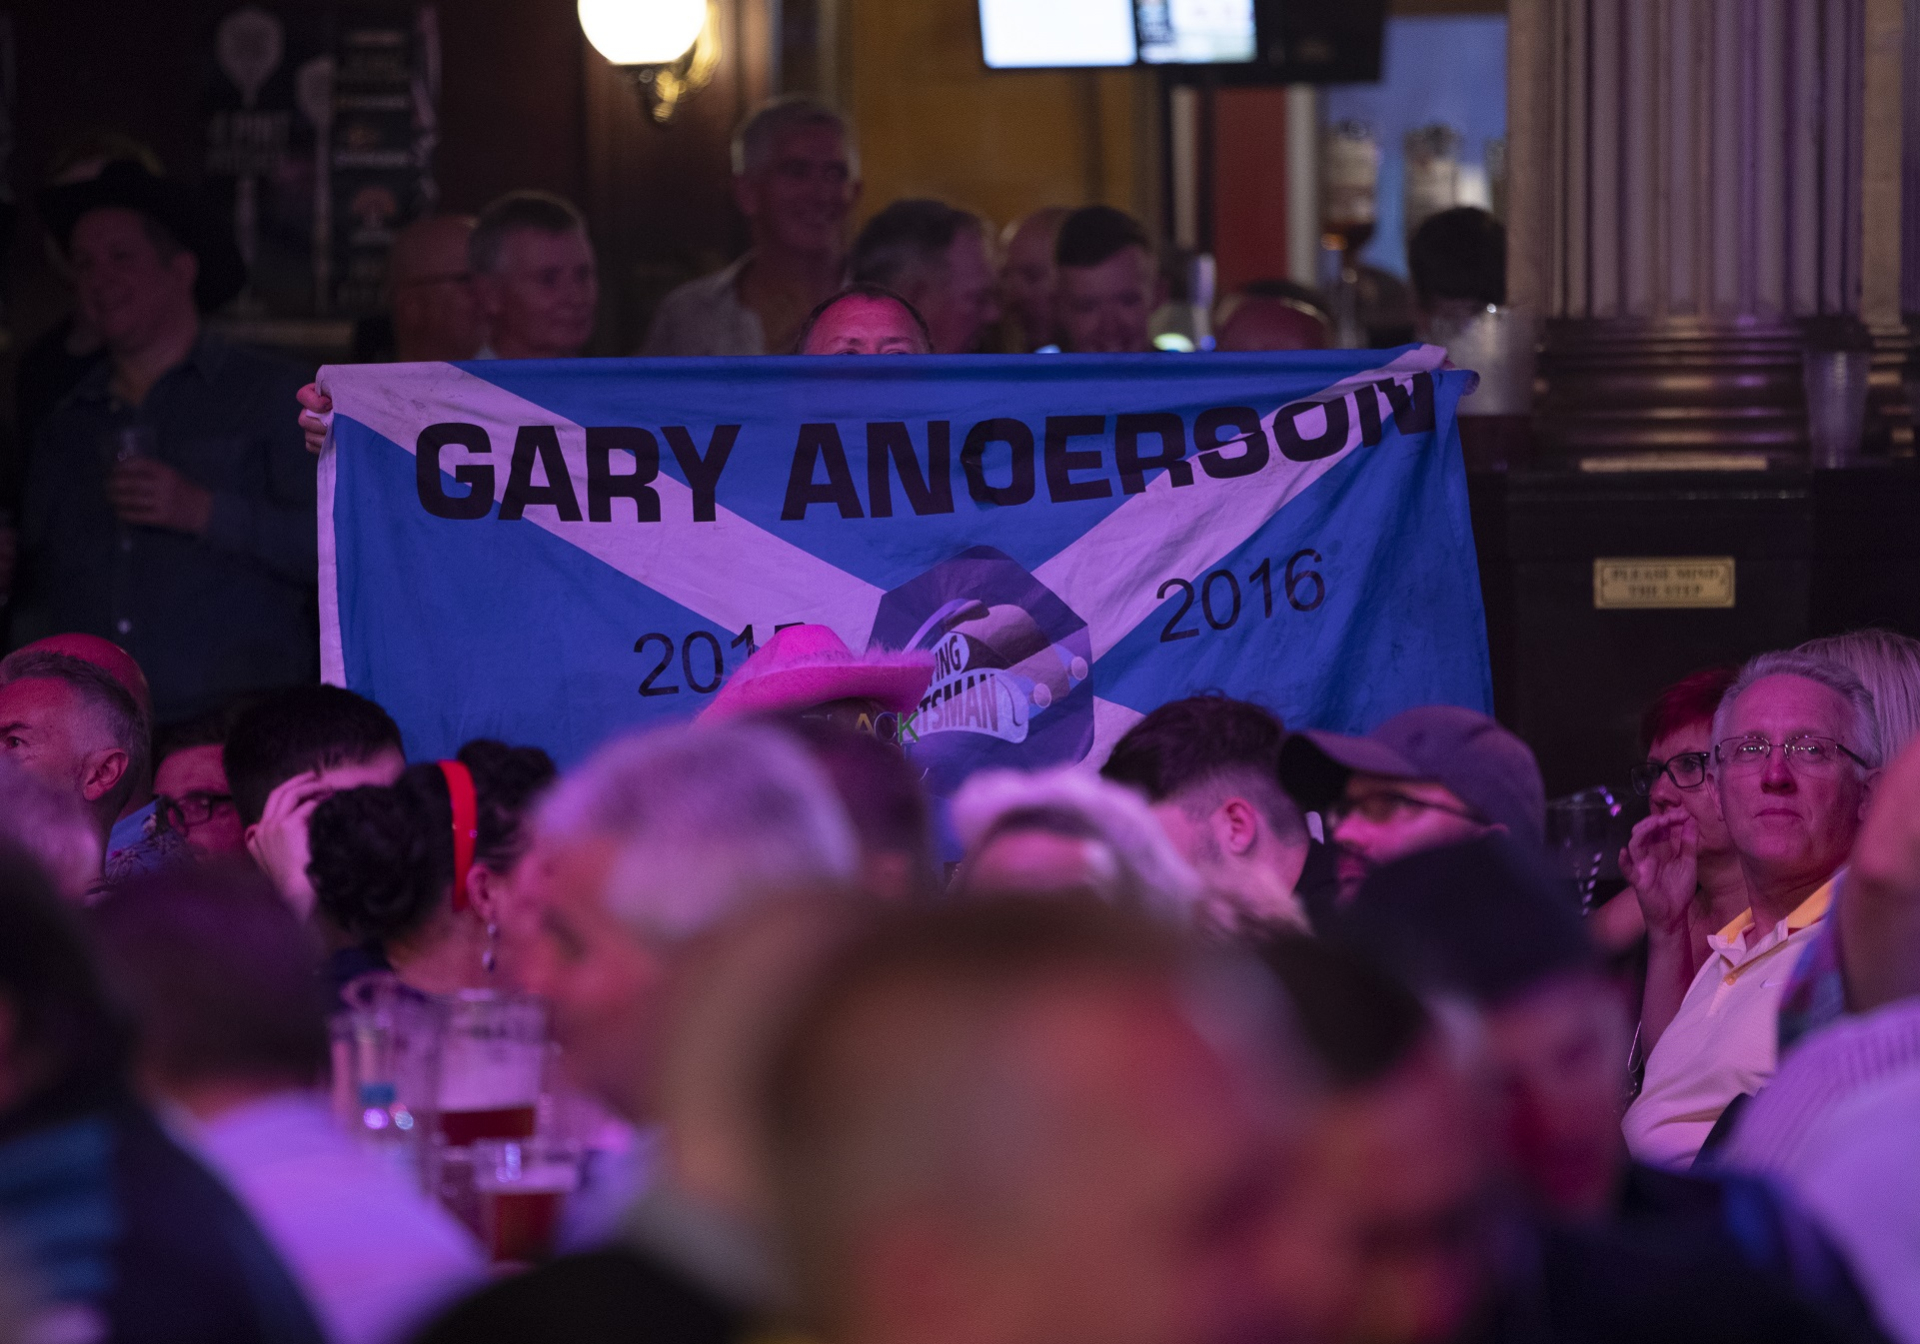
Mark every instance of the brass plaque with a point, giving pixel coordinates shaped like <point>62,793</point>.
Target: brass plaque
<point>1663,581</point>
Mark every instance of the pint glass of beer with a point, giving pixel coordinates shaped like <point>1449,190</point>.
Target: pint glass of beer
<point>522,1186</point>
<point>491,1066</point>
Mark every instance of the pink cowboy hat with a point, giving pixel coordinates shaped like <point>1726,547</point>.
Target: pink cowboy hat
<point>806,665</point>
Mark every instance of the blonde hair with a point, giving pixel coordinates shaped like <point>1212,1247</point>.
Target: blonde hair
<point>1149,872</point>
<point>1888,664</point>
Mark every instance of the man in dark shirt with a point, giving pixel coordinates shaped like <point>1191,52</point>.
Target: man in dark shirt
<point>169,503</point>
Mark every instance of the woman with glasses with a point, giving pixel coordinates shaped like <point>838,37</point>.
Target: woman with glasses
<point>1685,822</point>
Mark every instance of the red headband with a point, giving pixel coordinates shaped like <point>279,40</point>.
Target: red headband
<point>466,825</point>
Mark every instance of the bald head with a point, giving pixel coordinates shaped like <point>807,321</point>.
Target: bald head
<point>435,313</point>
<point>104,654</point>
<point>1265,322</point>
<point>865,319</point>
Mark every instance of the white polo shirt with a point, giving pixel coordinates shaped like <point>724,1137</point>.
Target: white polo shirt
<point>1723,1041</point>
<point>706,317</point>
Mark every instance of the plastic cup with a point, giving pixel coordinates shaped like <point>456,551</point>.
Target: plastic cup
<point>1836,404</point>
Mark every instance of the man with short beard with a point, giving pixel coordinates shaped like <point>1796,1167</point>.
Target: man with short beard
<point>1207,765</point>
<point>72,726</point>
<point>1429,776</point>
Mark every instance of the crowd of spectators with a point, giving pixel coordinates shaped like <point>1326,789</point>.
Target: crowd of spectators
<point>1253,1034</point>
<point>1240,1035</point>
<point>160,499</point>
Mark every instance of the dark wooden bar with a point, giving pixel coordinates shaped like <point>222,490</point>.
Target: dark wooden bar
<point>1815,553</point>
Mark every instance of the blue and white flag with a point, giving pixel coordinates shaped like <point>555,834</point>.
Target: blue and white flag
<point>550,552</point>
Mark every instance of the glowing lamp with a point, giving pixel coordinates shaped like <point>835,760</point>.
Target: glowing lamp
<point>668,48</point>
<point>642,32</point>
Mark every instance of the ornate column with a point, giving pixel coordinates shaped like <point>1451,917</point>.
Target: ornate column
<point>1687,180</point>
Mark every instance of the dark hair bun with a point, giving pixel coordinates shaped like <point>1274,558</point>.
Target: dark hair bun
<point>382,858</point>
<point>506,780</point>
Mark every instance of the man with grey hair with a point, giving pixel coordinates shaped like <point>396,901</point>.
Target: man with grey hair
<point>937,258</point>
<point>1028,1122</point>
<point>1796,754</point>
<point>669,869</point>
<point>534,277</point>
<point>531,269</point>
<point>796,179</point>
<point>72,726</point>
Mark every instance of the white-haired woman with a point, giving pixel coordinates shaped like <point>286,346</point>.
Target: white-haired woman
<point>1068,831</point>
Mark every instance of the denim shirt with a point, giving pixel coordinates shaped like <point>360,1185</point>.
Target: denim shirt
<point>206,617</point>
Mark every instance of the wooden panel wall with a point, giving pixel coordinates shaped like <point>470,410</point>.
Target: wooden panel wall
<point>933,121</point>
<point>660,197</point>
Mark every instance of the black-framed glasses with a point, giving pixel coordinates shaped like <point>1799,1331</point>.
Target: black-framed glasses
<point>1688,770</point>
<point>191,809</point>
<point>1384,805</point>
<point>1813,754</point>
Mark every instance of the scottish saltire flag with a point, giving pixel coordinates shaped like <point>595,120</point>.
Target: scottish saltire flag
<point>550,552</point>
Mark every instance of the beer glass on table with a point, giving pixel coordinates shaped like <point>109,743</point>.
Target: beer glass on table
<point>521,1187</point>
<point>493,1062</point>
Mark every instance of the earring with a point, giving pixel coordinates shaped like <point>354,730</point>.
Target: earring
<point>487,958</point>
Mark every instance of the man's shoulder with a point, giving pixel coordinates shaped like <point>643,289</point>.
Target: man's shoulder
<point>704,316</point>
<point>251,363</point>
<point>706,288</point>
<point>617,1293</point>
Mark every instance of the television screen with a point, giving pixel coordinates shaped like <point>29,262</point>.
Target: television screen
<point>1196,32</point>
<point>1029,34</point>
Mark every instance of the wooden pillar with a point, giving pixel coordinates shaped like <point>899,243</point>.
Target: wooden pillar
<point>1694,182</point>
